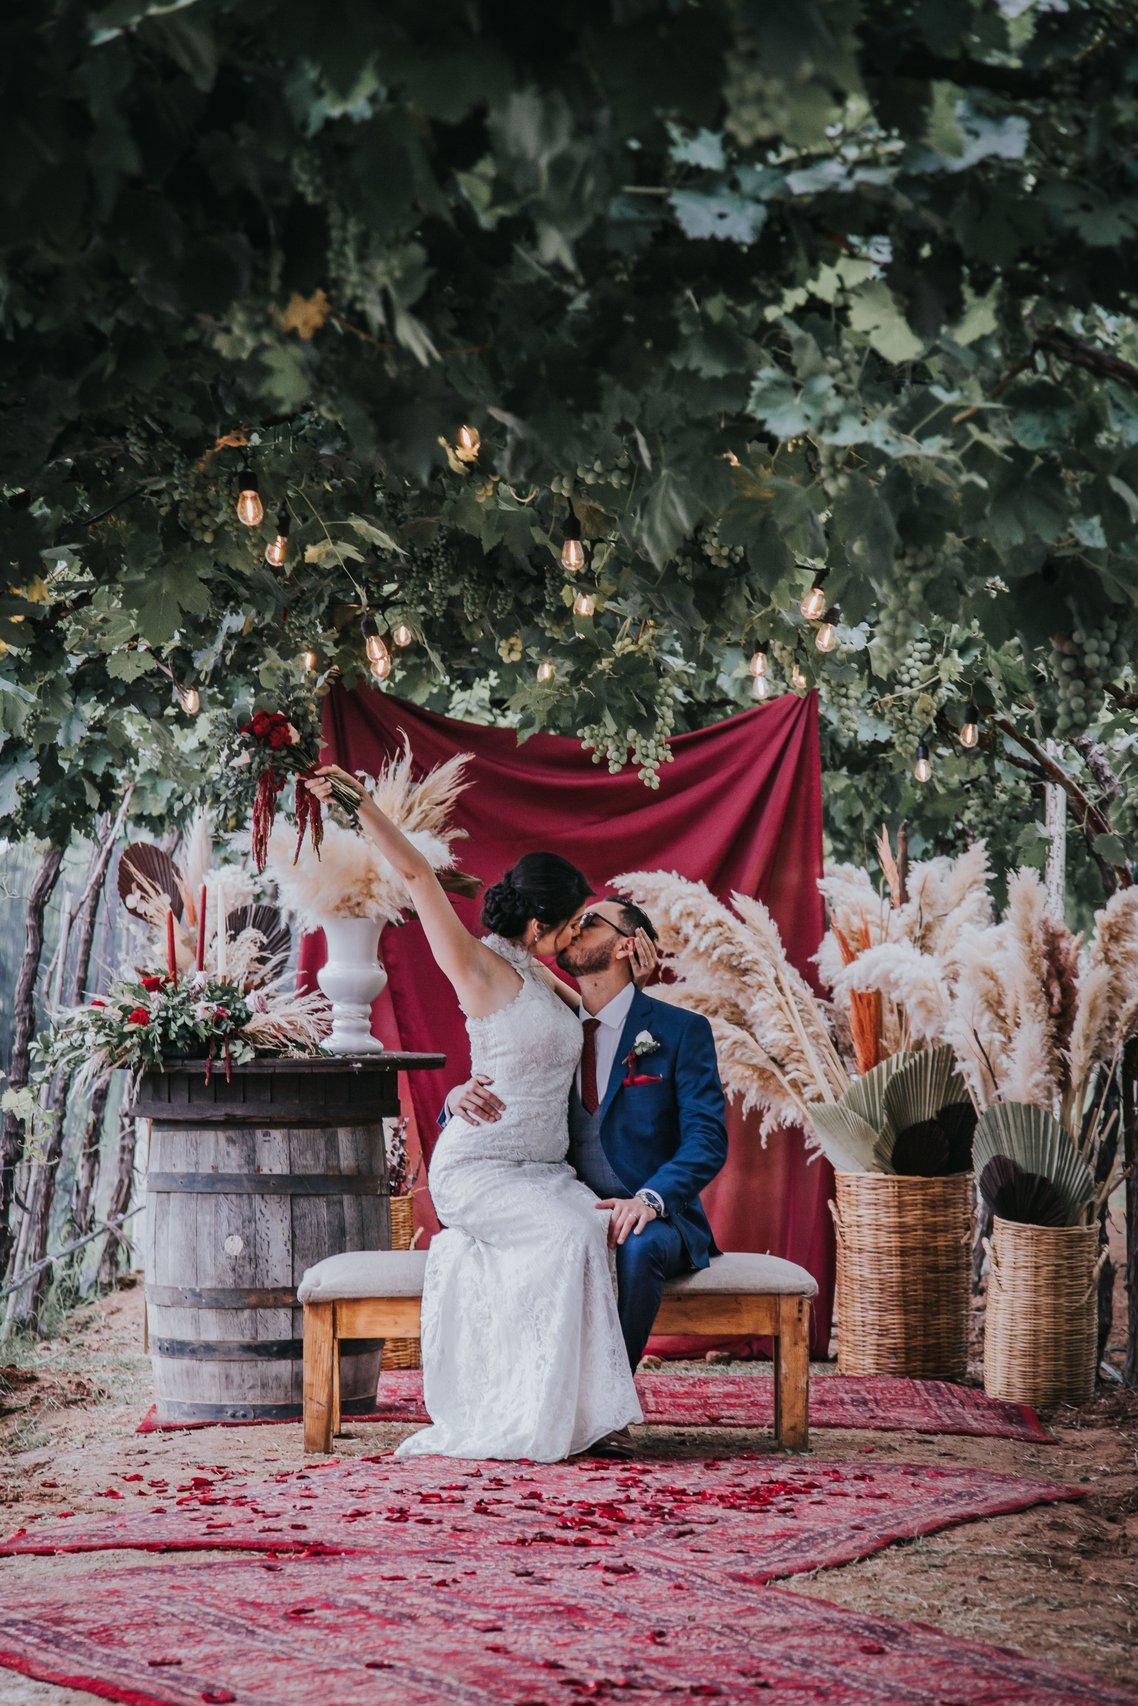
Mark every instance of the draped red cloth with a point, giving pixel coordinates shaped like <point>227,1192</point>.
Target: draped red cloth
<point>739,807</point>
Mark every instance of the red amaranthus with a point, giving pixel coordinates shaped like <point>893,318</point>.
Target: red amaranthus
<point>271,740</point>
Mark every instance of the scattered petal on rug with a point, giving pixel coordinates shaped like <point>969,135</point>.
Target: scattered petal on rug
<point>747,1401</point>
<point>758,1517</point>
<point>533,1631</point>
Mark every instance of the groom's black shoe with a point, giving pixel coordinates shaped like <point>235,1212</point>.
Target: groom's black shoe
<point>617,1444</point>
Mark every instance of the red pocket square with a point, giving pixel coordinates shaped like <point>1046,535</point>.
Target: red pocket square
<point>645,1078</point>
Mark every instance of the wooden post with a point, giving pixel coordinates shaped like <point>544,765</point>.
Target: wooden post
<point>1055,820</point>
<point>792,1373</point>
<point>320,1358</point>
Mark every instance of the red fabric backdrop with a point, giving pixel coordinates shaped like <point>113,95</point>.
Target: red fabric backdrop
<point>738,808</point>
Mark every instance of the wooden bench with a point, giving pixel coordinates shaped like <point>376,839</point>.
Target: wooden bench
<point>376,1294</point>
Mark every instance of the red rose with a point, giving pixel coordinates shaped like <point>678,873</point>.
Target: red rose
<point>97,1003</point>
<point>221,1012</point>
<point>139,1016</point>
<point>279,736</point>
<point>262,720</point>
<point>151,983</point>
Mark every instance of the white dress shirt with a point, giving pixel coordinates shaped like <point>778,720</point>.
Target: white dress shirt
<point>607,1035</point>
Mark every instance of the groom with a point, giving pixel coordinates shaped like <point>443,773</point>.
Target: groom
<point>645,1114</point>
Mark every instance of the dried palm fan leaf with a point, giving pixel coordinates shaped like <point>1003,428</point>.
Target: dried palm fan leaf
<point>1014,1194</point>
<point>915,1139</point>
<point>276,937</point>
<point>866,1095</point>
<point>146,871</point>
<point>1037,1143</point>
<point>844,1137</point>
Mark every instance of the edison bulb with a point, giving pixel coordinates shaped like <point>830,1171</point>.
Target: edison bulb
<point>923,767</point>
<point>277,552</point>
<point>309,658</point>
<point>381,665</point>
<point>826,638</point>
<point>760,687</point>
<point>798,679</point>
<point>376,649</point>
<point>814,604</point>
<point>250,509</point>
<point>759,664</point>
<point>190,700</point>
<point>584,604</point>
<point>546,670</point>
<point>572,556</point>
<point>469,443</point>
<point>970,730</point>
<point>402,634</point>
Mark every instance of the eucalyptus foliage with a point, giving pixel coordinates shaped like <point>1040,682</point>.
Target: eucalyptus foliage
<point>761,288</point>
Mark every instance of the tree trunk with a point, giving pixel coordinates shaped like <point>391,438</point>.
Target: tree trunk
<point>82,1212</point>
<point>121,1193</point>
<point>23,1029</point>
<point>35,1233</point>
<point>1129,1097</point>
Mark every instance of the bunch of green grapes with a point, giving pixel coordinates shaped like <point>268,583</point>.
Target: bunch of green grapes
<point>308,177</point>
<point>910,705</point>
<point>1080,664</point>
<point>646,751</point>
<point>348,263</point>
<point>202,509</point>
<point>842,702</point>
<point>425,577</point>
<point>616,474</point>
<point>902,618</point>
<point>722,556</point>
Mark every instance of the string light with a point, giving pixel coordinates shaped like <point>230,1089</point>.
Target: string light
<point>758,664</point>
<point>760,687</point>
<point>250,509</point>
<point>468,443</point>
<point>814,604</point>
<point>403,635</point>
<point>798,678</point>
<point>584,604</point>
<point>277,552</point>
<point>376,648</point>
<point>309,659</point>
<point>970,728</point>
<point>923,767</point>
<point>546,670</point>
<point>189,699</point>
<point>826,639</point>
<point>572,550</point>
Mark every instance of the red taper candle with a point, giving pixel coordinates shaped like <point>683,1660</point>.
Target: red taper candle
<point>171,962</point>
<point>200,961</point>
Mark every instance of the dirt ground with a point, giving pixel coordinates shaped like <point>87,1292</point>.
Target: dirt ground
<point>1060,1582</point>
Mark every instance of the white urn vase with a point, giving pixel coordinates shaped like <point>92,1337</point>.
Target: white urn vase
<point>351,977</point>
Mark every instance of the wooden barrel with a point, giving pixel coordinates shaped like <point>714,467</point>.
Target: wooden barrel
<point>248,1183</point>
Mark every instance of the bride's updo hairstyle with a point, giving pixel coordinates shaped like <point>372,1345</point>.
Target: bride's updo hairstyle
<point>541,885</point>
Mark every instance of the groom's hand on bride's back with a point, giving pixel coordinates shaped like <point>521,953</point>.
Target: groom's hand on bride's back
<point>475,1101</point>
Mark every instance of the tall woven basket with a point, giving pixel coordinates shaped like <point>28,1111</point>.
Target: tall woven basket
<point>401,1353</point>
<point>904,1268</point>
<point>1041,1326</point>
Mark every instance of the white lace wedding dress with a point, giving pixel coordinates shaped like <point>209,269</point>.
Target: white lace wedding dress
<point>522,1349</point>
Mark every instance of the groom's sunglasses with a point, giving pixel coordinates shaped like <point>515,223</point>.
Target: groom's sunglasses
<point>589,918</point>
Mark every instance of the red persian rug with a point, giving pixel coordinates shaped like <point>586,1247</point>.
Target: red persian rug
<point>760,1518</point>
<point>747,1401</point>
<point>535,1630</point>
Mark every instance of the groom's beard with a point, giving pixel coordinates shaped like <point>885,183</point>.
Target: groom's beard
<point>580,961</point>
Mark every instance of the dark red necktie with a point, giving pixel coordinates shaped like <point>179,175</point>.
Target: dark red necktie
<point>589,1098</point>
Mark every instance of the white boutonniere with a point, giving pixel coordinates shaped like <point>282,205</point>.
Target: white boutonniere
<point>645,1043</point>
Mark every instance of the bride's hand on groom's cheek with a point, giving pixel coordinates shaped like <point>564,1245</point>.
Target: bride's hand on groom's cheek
<point>640,952</point>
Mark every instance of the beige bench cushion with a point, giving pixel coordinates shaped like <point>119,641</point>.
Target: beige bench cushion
<point>399,1273</point>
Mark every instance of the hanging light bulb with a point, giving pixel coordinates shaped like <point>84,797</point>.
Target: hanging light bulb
<point>468,443</point>
<point>731,459</point>
<point>403,635</point>
<point>190,700</point>
<point>250,509</point>
<point>759,664</point>
<point>309,659</point>
<point>381,665</point>
<point>546,670</point>
<point>276,553</point>
<point>970,728</point>
<point>798,679</point>
<point>814,603</point>
<point>760,687</point>
<point>584,604</point>
<point>376,648</point>
<point>923,768</point>
<point>572,550</point>
<point>826,638</point>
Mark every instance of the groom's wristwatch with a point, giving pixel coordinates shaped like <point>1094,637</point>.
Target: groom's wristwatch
<point>654,1200</point>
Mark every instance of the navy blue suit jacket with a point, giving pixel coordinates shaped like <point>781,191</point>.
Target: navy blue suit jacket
<point>668,1136</point>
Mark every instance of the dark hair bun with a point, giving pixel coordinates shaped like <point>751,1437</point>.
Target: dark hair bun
<point>541,885</point>
<point>504,909</point>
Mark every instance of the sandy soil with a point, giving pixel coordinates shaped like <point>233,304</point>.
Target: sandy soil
<point>1059,1582</point>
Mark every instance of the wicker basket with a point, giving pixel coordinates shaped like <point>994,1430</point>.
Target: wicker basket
<point>401,1353</point>
<point>1041,1327</point>
<point>904,1268</point>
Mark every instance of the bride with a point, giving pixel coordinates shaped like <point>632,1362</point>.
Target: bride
<point>522,1349</point>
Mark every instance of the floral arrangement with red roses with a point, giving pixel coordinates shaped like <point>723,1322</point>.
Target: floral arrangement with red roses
<point>267,751</point>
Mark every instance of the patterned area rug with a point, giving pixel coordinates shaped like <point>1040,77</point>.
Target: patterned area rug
<point>536,1631</point>
<point>747,1401</point>
<point>759,1518</point>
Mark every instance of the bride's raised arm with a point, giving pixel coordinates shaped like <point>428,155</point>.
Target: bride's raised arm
<point>482,979</point>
